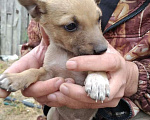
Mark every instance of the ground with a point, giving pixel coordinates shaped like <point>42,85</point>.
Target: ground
<point>17,110</point>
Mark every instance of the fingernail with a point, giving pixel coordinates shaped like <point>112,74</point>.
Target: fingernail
<point>58,83</point>
<point>52,97</point>
<point>69,80</point>
<point>71,64</point>
<point>64,89</point>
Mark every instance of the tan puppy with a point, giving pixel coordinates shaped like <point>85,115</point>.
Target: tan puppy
<point>74,28</point>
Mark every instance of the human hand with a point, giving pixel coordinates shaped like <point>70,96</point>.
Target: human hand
<point>122,82</point>
<point>35,56</point>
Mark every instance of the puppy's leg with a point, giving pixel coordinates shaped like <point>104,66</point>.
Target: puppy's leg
<point>53,114</point>
<point>15,81</point>
<point>97,85</point>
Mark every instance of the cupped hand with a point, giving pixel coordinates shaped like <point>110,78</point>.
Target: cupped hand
<point>123,78</point>
<point>33,59</point>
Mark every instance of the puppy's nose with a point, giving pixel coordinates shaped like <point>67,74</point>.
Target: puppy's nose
<point>99,51</point>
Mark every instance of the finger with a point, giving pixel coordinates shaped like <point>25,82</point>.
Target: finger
<point>42,88</point>
<point>3,93</point>
<point>110,49</point>
<point>42,100</point>
<point>62,100</point>
<point>80,105</point>
<point>26,62</point>
<point>104,62</point>
<point>77,92</point>
<point>69,80</point>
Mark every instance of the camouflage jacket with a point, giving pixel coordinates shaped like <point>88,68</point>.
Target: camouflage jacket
<point>132,40</point>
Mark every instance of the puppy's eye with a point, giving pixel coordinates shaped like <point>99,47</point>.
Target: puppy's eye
<point>71,27</point>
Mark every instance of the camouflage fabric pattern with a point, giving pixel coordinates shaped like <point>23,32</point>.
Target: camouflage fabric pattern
<point>132,40</point>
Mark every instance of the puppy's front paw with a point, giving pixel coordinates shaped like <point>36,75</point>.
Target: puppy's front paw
<point>11,82</point>
<point>97,85</point>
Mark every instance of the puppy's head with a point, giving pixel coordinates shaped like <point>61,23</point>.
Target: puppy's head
<point>73,25</point>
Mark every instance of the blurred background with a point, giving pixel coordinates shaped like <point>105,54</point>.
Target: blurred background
<point>14,21</point>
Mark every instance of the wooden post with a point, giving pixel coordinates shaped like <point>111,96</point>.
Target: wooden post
<point>14,23</point>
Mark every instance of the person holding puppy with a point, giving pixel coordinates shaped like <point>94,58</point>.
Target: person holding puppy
<point>127,65</point>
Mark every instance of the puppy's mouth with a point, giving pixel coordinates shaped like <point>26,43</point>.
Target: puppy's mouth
<point>81,52</point>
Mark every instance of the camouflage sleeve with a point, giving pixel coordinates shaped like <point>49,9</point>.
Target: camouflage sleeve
<point>34,35</point>
<point>142,97</point>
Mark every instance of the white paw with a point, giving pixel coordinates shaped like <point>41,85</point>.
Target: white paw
<point>97,85</point>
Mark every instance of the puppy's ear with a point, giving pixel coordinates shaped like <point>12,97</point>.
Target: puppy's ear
<point>34,7</point>
<point>98,1</point>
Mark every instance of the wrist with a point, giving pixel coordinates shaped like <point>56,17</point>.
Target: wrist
<point>132,79</point>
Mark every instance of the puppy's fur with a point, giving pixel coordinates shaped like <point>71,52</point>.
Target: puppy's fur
<point>74,28</point>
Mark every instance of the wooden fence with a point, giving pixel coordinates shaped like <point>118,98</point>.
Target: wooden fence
<point>14,21</point>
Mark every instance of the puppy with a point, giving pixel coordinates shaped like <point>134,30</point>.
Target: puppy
<point>74,29</point>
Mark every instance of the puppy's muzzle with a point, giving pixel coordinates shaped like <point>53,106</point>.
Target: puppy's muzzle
<point>98,51</point>
<point>92,50</point>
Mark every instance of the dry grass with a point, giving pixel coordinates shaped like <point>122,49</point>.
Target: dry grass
<point>16,111</point>
<point>3,66</point>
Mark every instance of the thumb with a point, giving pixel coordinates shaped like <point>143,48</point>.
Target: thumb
<point>42,88</point>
